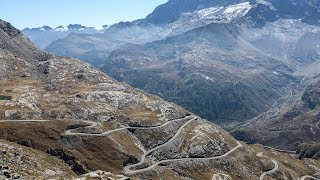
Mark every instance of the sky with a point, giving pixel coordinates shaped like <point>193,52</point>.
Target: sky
<point>37,13</point>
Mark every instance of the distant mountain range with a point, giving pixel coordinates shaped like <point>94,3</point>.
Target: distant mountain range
<point>231,62</point>
<point>45,35</point>
<point>96,48</point>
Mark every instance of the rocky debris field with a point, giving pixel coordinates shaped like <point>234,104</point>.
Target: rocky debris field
<point>19,162</point>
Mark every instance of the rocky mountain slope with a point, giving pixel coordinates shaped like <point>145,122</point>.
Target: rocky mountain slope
<point>89,121</point>
<point>43,36</point>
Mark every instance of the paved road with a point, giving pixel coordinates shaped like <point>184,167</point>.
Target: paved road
<point>276,166</point>
<point>307,177</point>
<point>130,172</point>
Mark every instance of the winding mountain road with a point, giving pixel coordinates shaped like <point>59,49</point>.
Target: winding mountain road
<point>276,166</point>
<point>127,169</point>
<point>130,172</point>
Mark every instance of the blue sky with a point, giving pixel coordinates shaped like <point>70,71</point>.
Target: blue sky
<point>36,13</point>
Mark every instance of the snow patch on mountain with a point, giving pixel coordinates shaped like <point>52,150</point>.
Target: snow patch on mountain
<point>241,8</point>
<point>216,14</point>
<point>266,3</point>
<point>71,27</point>
<point>207,12</point>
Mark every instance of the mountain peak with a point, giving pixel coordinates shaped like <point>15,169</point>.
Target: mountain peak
<point>45,28</point>
<point>12,40</point>
<point>76,26</point>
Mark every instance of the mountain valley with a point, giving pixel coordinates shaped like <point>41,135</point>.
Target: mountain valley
<point>198,89</point>
<point>84,121</point>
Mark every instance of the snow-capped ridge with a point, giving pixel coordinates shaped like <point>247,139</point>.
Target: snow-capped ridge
<point>70,27</point>
<point>218,13</point>
<point>241,9</point>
